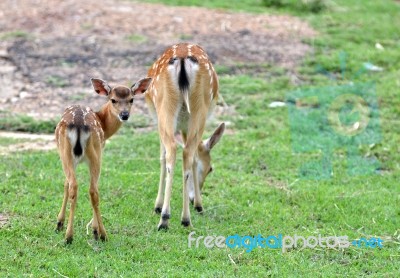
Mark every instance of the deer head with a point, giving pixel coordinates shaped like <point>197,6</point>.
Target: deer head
<point>120,97</point>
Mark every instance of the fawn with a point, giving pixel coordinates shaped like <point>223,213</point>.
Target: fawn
<point>183,92</point>
<point>81,135</point>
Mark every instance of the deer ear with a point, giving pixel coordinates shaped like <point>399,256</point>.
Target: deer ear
<point>215,137</point>
<point>141,86</point>
<point>100,86</point>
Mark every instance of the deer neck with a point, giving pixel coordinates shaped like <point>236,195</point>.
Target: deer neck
<point>109,122</point>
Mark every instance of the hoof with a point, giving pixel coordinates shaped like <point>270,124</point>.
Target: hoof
<point>199,209</point>
<point>162,226</point>
<point>96,234</point>
<point>157,210</point>
<point>60,226</point>
<point>185,222</point>
<point>103,238</point>
<point>68,240</point>
<point>165,216</point>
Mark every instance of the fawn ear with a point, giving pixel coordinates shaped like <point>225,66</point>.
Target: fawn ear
<point>214,139</point>
<point>141,86</point>
<point>100,86</point>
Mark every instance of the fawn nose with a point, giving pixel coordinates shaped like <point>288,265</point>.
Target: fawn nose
<point>124,115</point>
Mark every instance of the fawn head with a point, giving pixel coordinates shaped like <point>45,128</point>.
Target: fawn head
<point>121,97</point>
<point>204,166</point>
<point>203,158</point>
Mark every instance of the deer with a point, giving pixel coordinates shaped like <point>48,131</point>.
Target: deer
<point>182,94</point>
<point>81,135</point>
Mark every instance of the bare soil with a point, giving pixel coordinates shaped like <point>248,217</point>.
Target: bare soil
<point>4,218</point>
<point>50,49</point>
<point>42,142</point>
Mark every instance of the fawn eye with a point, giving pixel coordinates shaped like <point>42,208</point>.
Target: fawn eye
<point>113,101</point>
<point>131,101</point>
<point>211,169</point>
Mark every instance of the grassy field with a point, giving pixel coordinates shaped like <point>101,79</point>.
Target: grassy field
<point>256,188</point>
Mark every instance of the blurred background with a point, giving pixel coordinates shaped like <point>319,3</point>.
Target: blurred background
<point>49,50</point>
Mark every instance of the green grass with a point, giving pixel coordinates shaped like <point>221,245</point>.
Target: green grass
<point>18,122</point>
<point>13,34</point>
<point>56,81</point>
<point>256,6</point>
<point>23,123</point>
<point>314,6</point>
<point>136,38</point>
<point>255,188</point>
<point>236,5</point>
<point>4,141</point>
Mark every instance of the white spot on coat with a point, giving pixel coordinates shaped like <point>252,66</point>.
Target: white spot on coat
<point>190,49</point>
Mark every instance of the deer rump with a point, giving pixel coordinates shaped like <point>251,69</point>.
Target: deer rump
<point>184,70</point>
<point>78,136</point>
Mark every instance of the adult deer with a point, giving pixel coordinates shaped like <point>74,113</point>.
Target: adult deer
<point>81,136</point>
<point>183,93</point>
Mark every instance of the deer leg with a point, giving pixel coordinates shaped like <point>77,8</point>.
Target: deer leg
<point>161,187</point>
<point>94,158</point>
<point>61,215</point>
<point>166,130</point>
<point>189,176</point>
<point>197,194</point>
<point>170,157</point>
<point>69,168</point>
<point>188,153</point>
<point>73,195</point>
<point>195,139</point>
<point>70,189</point>
<point>190,187</point>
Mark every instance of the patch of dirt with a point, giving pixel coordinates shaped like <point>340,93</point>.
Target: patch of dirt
<point>60,45</point>
<point>43,142</point>
<point>4,218</point>
<point>29,136</point>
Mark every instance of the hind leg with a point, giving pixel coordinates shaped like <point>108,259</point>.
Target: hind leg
<point>192,141</point>
<point>69,168</point>
<point>61,215</point>
<point>94,157</point>
<point>161,186</point>
<point>70,190</point>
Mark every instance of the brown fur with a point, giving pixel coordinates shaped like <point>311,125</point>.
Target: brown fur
<point>165,98</point>
<point>96,127</point>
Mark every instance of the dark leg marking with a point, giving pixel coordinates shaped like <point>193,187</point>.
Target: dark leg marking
<point>163,226</point>
<point>60,226</point>
<point>157,210</point>
<point>199,209</point>
<point>68,240</point>
<point>95,234</point>
<point>185,222</point>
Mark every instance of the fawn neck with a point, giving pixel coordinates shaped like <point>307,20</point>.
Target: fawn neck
<point>109,122</point>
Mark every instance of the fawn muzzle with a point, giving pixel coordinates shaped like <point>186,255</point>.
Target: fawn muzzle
<point>124,115</point>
